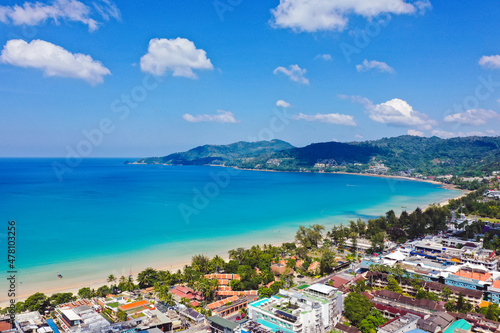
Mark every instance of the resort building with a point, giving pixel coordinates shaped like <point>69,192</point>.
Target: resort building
<point>74,317</point>
<point>31,322</point>
<point>185,292</point>
<point>318,308</point>
<point>231,305</point>
<point>470,279</point>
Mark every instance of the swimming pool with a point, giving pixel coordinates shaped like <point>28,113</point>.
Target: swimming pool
<point>259,302</point>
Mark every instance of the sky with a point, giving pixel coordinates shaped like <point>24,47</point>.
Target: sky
<point>96,78</point>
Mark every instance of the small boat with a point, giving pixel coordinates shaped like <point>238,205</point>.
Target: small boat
<point>59,276</point>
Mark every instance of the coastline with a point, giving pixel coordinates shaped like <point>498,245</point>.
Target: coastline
<point>97,282</point>
<point>93,273</point>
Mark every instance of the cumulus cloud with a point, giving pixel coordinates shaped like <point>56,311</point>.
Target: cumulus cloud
<point>374,64</point>
<point>35,13</point>
<point>294,72</point>
<point>178,55</point>
<point>221,117</point>
<point>325,57</point>
<point>415,132</point>
<point>399,112</point>
<point>53,60</point>
<point>490,61</point>
<point>475,117</point>
<point>283,104</point>
<point>315,15</point>
<point>331,118</point>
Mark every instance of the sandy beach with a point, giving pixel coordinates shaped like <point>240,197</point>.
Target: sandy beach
<point>94,273</point>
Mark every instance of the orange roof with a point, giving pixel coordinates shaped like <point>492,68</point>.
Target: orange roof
<point>223,276</point>
<point>132,305</point>
<point>496,284</point>
<point>214,305</point>
<point>484,304</point>
<point>236,293</point>
<point>473,275</point>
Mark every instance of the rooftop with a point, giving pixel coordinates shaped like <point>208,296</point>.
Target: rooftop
<point>222,322</point>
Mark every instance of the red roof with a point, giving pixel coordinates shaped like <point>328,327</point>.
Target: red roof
<point>338,281</point>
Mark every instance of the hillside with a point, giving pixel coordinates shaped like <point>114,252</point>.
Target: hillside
<point>400,155</point>
<point>231,154</point>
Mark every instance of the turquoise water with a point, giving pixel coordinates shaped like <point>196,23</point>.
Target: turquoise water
<point>105,215</point>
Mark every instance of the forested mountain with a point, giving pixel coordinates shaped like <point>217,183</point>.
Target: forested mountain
<point>221,154</point>
<point>404,154</point>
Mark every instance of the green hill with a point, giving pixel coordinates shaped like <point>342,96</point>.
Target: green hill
<point>221,154</point>
<point>399,155</point>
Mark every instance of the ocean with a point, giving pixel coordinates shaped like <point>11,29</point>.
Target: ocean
<point>105,217</point>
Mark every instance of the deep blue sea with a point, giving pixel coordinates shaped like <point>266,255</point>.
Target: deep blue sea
<point>103,216</point>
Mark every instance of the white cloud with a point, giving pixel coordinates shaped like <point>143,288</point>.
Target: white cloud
<point>358,99</point>
<point>294,72</point>
<point>107,9</point>
<point>331,118</point>
<point>35,13</point>
<point>325,57</point>
<point>359,136</point>
<point>222,117</point>
<point>399,112</point>
<point>447,135</point>
<point>443,134</point>
<point>374,64</point>
<point>492,132</point>
<point>490,61</point>
<point>475,117</point>
<point>178,55</point>
<point>415,132</point>
<point>53,60</point>
<point>283,104</point>
<point>315,15</point>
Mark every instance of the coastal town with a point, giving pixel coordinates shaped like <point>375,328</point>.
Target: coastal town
<point>431,271</point>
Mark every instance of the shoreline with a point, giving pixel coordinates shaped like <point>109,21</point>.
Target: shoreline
<point>94,281</point>
<point>98,282</point>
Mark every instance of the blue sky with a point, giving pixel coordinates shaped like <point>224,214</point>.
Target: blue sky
<point>96,78</point>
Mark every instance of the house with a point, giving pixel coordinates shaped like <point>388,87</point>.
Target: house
<point>346,329</point>
<point>31,322</point>
<point>185,292</point>
<point>436,322</point>
<point>80,317</point>
<point>221,325</point>
<point>395,299</point>
<point>494,291</point>
<point>402,324</point>
<point>231,305</point>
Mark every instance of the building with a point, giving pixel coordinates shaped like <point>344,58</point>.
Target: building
<point>185,292</point>
<point>402,324</point>
<point>317,308</point>
<point>494,291</point>
<point>436,322</point>
<point>32,322</point>
<point>221,325</point>
<point>470,279</point>
<point>392,298</point>
<point>231,305</point>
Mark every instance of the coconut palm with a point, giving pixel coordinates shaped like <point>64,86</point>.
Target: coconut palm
<point>111,278</point>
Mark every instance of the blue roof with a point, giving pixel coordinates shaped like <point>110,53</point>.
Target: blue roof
<point>462,323</point>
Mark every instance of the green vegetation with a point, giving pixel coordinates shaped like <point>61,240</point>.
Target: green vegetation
<point>361,313</point>
<point>469,156</point>
<point>232,154</point>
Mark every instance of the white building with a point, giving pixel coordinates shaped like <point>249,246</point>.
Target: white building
<point>317,309</point>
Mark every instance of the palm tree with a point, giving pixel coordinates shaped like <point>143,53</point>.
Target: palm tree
<point>111,278</point>
<point>218,263</point>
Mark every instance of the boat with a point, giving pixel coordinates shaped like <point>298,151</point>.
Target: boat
<point>59,276</point>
